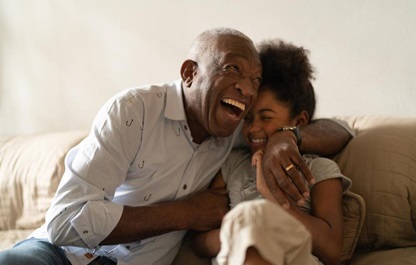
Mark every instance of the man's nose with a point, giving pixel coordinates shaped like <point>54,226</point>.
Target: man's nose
<point>245,87</point>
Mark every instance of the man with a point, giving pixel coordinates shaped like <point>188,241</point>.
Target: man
<point>138,182</point>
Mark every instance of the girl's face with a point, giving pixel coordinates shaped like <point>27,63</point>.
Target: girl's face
<point>266,116</point>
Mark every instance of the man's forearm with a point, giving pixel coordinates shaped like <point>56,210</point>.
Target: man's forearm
<point>323,137</point>
<point>201,212</point>
<point>137,223</point>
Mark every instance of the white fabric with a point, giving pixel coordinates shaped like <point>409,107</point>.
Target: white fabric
<point>131,158</point>
<point>279,237</point>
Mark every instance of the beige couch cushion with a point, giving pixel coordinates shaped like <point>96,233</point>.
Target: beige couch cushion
<point>10,237</point>
<point>31,167</point>
<point>380,160</point>
<point>398,256</point>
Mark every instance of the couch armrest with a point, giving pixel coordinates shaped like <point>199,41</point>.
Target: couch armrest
<point>381,162</point>
<point>31,167</point>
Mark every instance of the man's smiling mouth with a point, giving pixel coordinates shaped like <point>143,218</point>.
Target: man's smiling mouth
<point>235,103</point>
<point>234,106</point>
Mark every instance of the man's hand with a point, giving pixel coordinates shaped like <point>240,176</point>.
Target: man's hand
<point>284,169</point>
<point>323,137</point>
<point>207,209</point>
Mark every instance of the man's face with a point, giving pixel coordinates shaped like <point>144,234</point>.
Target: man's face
<point>225,87</point>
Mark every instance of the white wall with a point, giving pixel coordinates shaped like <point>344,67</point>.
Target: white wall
<point>61,60</point>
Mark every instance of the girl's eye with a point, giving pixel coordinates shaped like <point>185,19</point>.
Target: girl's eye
<point>248,119</point>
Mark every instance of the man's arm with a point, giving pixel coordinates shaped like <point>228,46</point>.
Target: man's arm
<point>202,212</point>
<point>323,136</point>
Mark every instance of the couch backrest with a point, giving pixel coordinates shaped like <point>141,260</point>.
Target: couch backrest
<point>31,167</point>
<point>381,161</point>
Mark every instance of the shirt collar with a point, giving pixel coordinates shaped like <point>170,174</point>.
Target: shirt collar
<point>175,109</point>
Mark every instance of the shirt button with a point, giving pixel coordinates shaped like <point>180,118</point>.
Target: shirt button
<point>184,187</point>
<point>185,127</point>
<point>85,232</point>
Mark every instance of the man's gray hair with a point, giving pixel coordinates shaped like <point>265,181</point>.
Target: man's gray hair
<point>206,43</point>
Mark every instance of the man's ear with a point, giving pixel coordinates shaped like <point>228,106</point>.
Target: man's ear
<point>188,71</point>
<point>302,118</point>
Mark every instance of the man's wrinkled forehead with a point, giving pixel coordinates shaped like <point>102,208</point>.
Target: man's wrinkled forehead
<point>238,48</point>
<point>239,55</point>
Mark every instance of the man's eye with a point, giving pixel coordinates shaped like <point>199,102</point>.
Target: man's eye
<point>232,70</point>
<point>257,81</point>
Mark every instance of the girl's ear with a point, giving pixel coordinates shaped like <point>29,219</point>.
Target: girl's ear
<point>188,71</point>
<point>302,118</point>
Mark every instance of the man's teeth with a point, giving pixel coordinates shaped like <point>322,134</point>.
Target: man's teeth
<point>235,104</point>
<point>258,141</point>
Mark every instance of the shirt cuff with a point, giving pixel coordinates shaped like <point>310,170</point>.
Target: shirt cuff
<point>345,125</point>
<point>96,220</point>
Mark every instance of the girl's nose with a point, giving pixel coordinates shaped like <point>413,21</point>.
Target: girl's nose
<point>254,126</point>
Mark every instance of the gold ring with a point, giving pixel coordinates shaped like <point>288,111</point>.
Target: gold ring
<point>289,167</point>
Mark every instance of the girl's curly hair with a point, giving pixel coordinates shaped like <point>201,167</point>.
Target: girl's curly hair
<point>288,73</point>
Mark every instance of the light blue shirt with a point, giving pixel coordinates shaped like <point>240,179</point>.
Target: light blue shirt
<point>139,152</point>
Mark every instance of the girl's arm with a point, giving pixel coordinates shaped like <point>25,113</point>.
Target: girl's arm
<point>207,244</point>
<point>261,184</point>
<point>326,221</point>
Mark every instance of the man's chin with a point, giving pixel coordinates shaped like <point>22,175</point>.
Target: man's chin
<point>225,127</point>
<point>225,133</point>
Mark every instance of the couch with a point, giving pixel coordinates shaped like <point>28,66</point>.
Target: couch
<point>379,212</point>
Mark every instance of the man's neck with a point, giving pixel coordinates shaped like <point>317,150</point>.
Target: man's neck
<point>198,133</point>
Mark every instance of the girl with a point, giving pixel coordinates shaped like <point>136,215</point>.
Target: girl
<point>285,101</point>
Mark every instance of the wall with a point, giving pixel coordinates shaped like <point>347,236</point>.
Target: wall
<point>61,60</point>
